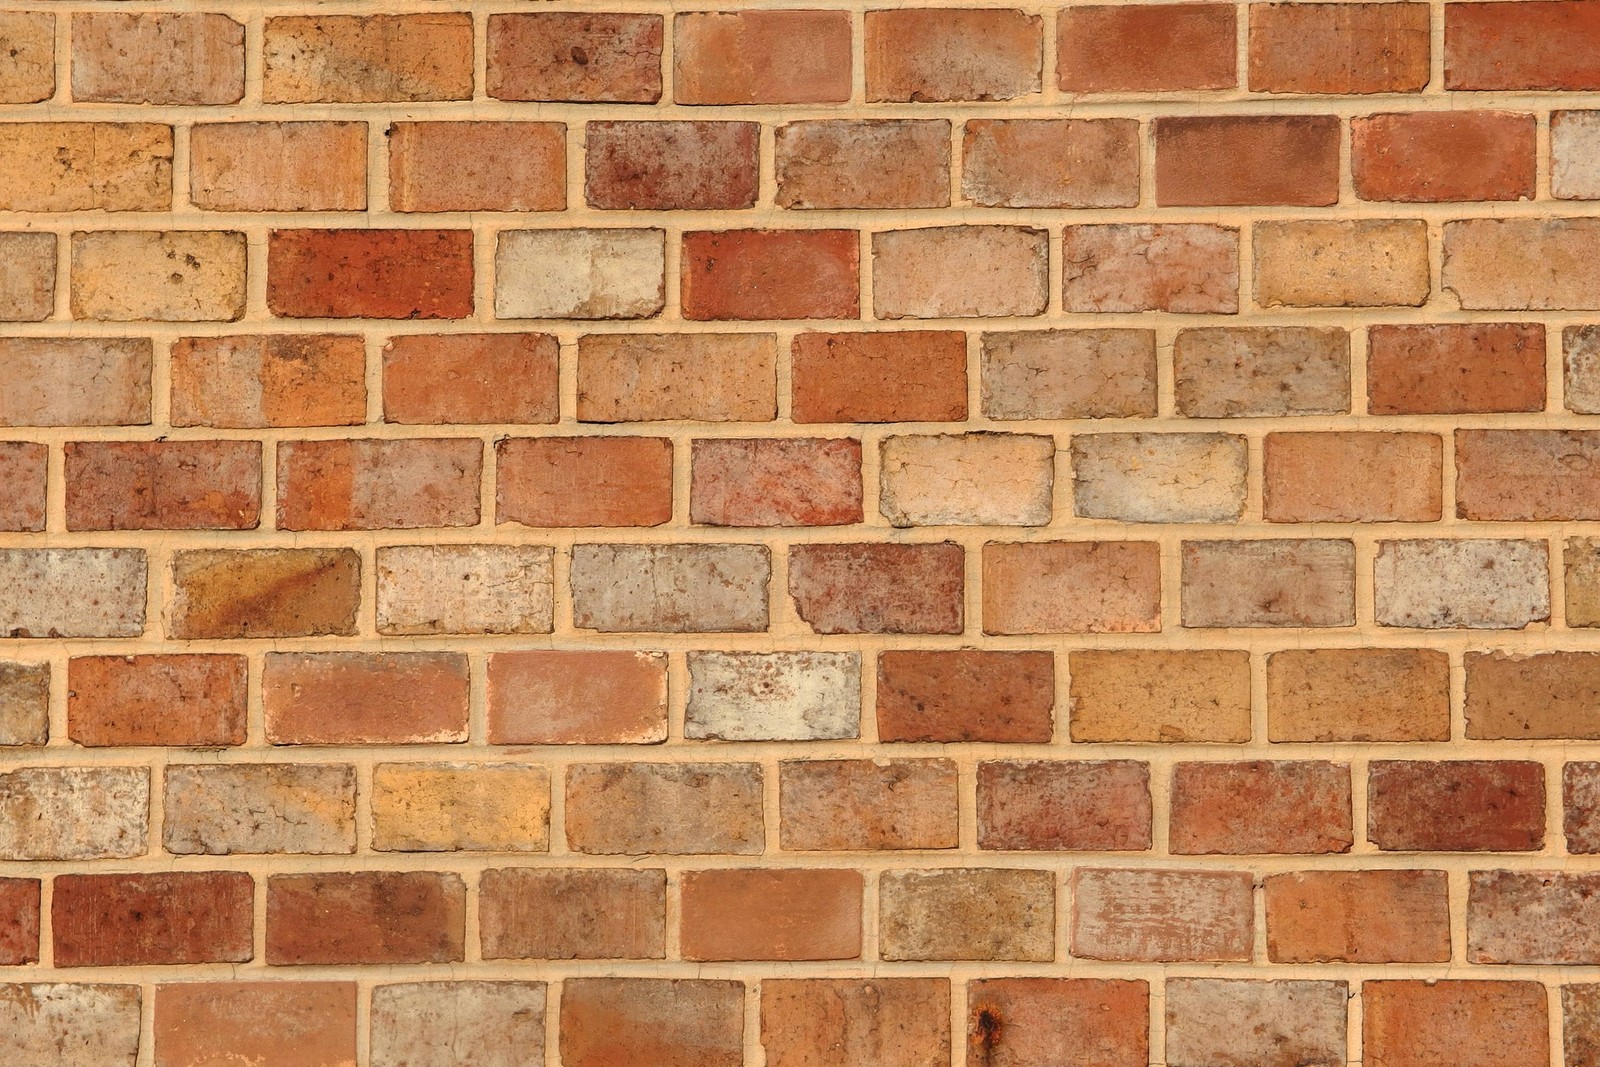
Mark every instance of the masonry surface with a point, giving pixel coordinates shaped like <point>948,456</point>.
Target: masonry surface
<point>601,535</point>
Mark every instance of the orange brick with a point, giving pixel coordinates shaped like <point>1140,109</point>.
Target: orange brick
<point>771,274</point>
<point>1146,48</point>
<point>374,274</point>
<point>1339,48</point>
<point>22,486</point>
<point>678,377</point>
<point>903,376</point>
<point>878,588</point>
<point>771,915</point>
<point>264,592</point>
<point>671,166</point>
<point>157,58</point>
<point>1526,697</point>
<point>278,166</point>
<point>29,39</point>
<point>387,917</point>
<point>163,485</point>
<point>158,276</point>
<point>1152,915</point>
<point>1528,264</point>
<point>863,163</point>
<point>1526,474</point>
<point>862,804</point>
<point>367,58</point>
<point>959,271</point>
<point>129,920</point>
<point>1358,694</point>
<point>749,57</point>
<point>669,809</point>
<point>191,700</point>
<point>473,378</point>
<point>464,166</point>
<point>1438,156</point>
<point>1048,587</point>
<point>1358,917</point>
<point>788,482</point>
<point>85,166</point>
<point>1353,477</point>
<point>1247,159</point>
<point>1466,1023</point>
<point>689,1022</point>
<point>566,914</point>
<point>1455,368</point>
<point>1051,162</point>
<point>312,1024</point>
<point>355,698</point>
<point>1014,1022</point>
<point>584,481</point>
<point>379,484</point>
<point>930,55</point>
<point>1261,806</point>
<point>1539,44</point>
<point>575,56</point>
<point>261,380</point>
<point>27,272</point>
<point>1160,695</point>
<point>965,695</point>
<point>848,1022</point>
<point>577,698</point>
<point>1064,805</point>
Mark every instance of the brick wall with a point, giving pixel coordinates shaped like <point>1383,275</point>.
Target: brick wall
<point>967,536</point>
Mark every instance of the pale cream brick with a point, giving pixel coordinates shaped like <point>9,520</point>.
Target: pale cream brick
<point>670,588</point>
<point>465,589</point>
<point>24,703</point>
<point>1212,1021</point>
<point>774,696</point>
<point>74,813</point>
<point>260,808</point>
<point>171,276</point>
<point>76,1025</point>
<point>580,274</point>
<point>1159,477</point>
<point>1476,584</point>
<point>72,592</point>
<point>975,479</point>
<point>454,1024</point>
<point>449,807</point>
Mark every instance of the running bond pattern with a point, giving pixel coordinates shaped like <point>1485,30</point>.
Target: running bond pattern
<point>962,535</point>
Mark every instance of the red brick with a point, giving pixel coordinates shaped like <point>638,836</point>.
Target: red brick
<point>367,58</point>
<point>191,700</point>
<point>903,376</point>
<point>1443,156</point>
<point>1051,162</point>
<point>750,57</point>
<point>1580,804</point>
<point>965,695</point>
<point>1018,1022</point>
<point>1152,915</point>
<point>1358,917</point>
<point>278,166</point>
<point>131,920</point>
<point>152,58</point>
<point>771,274</point>
<point>354,698</point>
<point>1178,267</point>
<point>855,1022</point>
<point>1260,807</point>
<point>575,56</point>
<point>474,378</point>
<point>1047,587</point>
<point>863,163</point>
<point>378,485</point>
<point>1247,159</point>
<point>1533,475</point>
<point>19,921</point>
<point>1420,1023</point>
<point>1338,48</point>
<point>584,481</point>
<point>851,805</point>
<point>1539,917</point>
<point>1352,477</point>
<point>22,485</point>
<point>386,917</point>
<point>683,377</point>
<point>577,697</point>
<point>1455,806</point>
<point>570,914</point>
<point>163,485</point>
<point>1451,369</point>
<point>376,274</point>
<point>1534,44</point>
<point>932,55</point>
<point>691,1022</point>
<point>310,1024</point>
<point>465,166</point>
<point>878,588</point>
<point>771,915</point>
<point>785,482</point>
<point>671,166</point>
<point>250,382</point>
<point>1146,48</point>
<point>668,809</point>
<point>1064,805</point>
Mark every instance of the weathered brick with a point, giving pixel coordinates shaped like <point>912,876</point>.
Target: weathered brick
<point>74,813</point>
<point>260,380</point>
<point>863,163</point>
<point>378,484</point>
<point>85,166</point>
<point>19,909</point>
<point>771,274</point>
<point>1477,584</point>
<point>27,270</point>
<point>378,917</point>
<point>960,271</point>
<point>1273,1024</point>
<point>22,485</point>
<point>771,915</point>
<point>129,920</point>
<point>879,588</point>
<point>1581,358</point>
<point>575,56</point>
<point>850,805</point>
<point>308,1023</point>
<point>1207,161</point>
<point>1339,48</point>
<point>1159,695</point>
<point>1358,694</point>
<point>1542,45</point>
<point>785,482</point>
<point>1269,583</point>
<point>72,592</point>
<point>773,696</point>
<point>1358,917</point>
<point>579,274</point>
<point>264,592</point>
<point>584,481</point>
<point>1050,162</point>
<point>62,1025</point>
<point>1152,915</point>
<point>670,809</point>
<point>965,695</point>
<point>749,57</point>
<point>278,166</point>
<point>157,58</point>
<point>364,698</point>
<point>24,703</point>
<point>180,699</point>
<point>1412,1023</point>
<point>367,58</point>
<point>29,40</point>
<point>671,588</point>
<point>1167,477</point>
<point>855,1022</point>
<point>1259,807</point>
<point>369,274</point>
<point>1069,374</point>
<point>1178,267</point>
<point>460,807</point>
<point>967,914</point>
<point>1545,917</point>
<point>163,276</point>
<point>675,377</point>
<point>1580,1037</point>
<point>577,698</point>
<point>1155,48</point>
<point>1526,474</point>
<point>463,166</point>
<point>899,376</point>
<point>671,166</point>
<point>1047,587</point>
<point>563,914</point>
<point>1581,566</point>
<point>471,378</point>
<point>440,1024</point>
<point>1341,263</point>
<point>1521,264</point>
<point>686,1022</point>
<point>163,485</point>
<point>1352,477</point>
<point>1574,138</point>
<point>928,54</point>
<point>975,479</point>
<point>1064,805</point>
<point>1447,156</point>
<point>1523,697</point>
<point>259,808</point>
<point>465,589</point>
<point>1012,1022</point>
<point>1243,371</point>
<point>1451,369</point>
<point>1455,806</point>
<point>1580,806</point>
